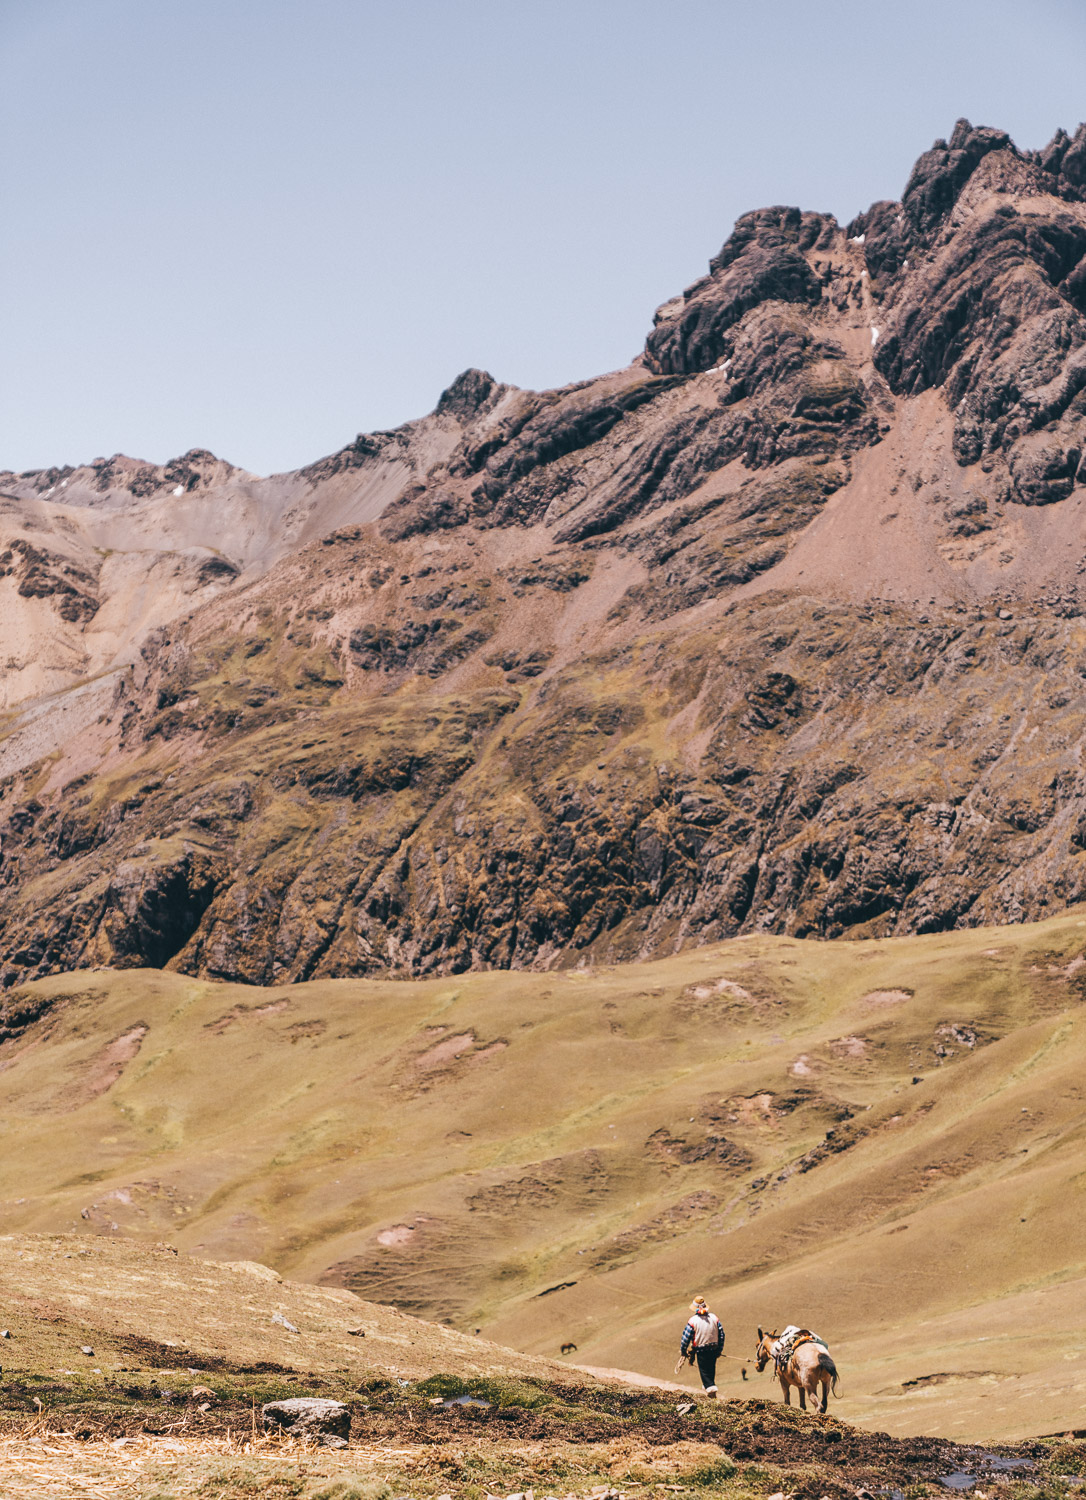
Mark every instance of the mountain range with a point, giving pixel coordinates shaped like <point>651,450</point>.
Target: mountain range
<point>778,629</point>
<point>418,871</point>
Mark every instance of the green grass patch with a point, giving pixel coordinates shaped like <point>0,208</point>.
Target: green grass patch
<point>528,1394</point>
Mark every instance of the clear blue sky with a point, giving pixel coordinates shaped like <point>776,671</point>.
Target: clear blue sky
<point>261,226</point>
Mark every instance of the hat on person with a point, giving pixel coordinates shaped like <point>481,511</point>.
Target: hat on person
<point>697,1305</point>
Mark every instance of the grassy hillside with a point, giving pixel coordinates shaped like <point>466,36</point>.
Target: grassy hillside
<point>132,1369</point>
<point>883,1139</point>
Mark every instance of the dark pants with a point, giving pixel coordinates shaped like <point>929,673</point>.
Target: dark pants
<point>707,1359</point>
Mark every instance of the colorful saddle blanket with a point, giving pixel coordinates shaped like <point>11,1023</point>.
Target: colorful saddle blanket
<point>791,1339</point>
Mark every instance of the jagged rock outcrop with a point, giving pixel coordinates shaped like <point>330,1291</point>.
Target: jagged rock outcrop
<point>780,628</point>
<point>762,261</point>
<point>40,574</point>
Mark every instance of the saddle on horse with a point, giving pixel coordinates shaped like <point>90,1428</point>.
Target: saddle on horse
<point>790,1340</point>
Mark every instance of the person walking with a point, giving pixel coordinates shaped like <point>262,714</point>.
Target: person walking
<point>703,1340</point>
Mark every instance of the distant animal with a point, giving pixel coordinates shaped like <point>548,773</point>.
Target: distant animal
<point>569,1348</point>
<point>800,1360</point>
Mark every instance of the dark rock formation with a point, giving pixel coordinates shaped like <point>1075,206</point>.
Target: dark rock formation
<point>762,261</point>
<point>993,319</point>
<point>940,174</point>
<point>44,575</point>
<point>471,393</point>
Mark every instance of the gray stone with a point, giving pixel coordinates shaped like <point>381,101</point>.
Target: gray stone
<point>327,1422</point>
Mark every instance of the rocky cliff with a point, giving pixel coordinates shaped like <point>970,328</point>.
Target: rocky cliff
<point>779,628</point>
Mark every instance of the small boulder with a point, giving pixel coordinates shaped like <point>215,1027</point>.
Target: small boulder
<point>327,1422</point>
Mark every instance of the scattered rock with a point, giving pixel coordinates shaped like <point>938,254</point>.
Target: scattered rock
<point>278,1317</point>
<point>327,1422</point>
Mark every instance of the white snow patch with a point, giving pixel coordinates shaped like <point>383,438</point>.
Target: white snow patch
<point>49,491</point>
<point>874,337</point>
<point>63,483</point>
<point>858,239</point>
<point>180,490</point>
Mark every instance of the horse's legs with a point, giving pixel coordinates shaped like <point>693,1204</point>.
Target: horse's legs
<point>825,1395</point>
<point>802,1399</point>
<point>786,1391</point>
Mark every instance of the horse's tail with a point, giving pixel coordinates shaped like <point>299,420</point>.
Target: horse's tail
<point>828,1365</point>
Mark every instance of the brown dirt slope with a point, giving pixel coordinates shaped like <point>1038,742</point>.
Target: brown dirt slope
<point>148,1307</point>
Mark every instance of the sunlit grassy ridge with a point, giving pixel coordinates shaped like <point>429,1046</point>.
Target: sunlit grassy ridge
<point>882,1139</point>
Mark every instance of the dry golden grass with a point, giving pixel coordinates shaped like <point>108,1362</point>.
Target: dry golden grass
<point>627,1135</point>
<point>55,1463</point>
<point>281,1468</point>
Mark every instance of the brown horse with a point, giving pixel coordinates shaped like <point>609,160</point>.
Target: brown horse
<point>808,1367</point>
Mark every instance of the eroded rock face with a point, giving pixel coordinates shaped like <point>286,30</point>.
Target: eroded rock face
<point>781,628</point>
<point>941,173</point>
<point>982,265</point>
<point>41,574</point>
<point>762,261</point>
<point>995,320</point>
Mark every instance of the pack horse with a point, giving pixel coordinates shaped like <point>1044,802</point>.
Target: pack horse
<point>801,1359</point>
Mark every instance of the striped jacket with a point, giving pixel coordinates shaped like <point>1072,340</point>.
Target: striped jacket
<point>703,1333</point>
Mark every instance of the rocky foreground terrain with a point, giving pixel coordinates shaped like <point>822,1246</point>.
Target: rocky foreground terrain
<point>778,629</point>
<point>178,1359</point>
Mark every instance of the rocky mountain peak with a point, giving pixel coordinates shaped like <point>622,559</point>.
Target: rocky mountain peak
<point>763,260</point>
<point>782,627</point>
<point>1065,159</point>
<point>940,174</point>
<point>119,479</point>
<point>472,392</point>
